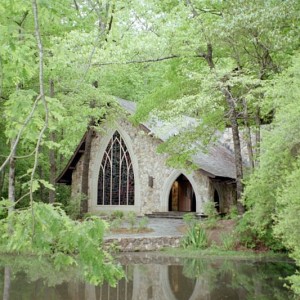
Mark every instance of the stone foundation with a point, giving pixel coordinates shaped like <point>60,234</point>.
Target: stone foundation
<point>136,244</point>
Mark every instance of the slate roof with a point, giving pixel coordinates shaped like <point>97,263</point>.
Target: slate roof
<point>217,161</point>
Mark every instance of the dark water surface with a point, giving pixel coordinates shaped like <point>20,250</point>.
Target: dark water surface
<point>153,276</point>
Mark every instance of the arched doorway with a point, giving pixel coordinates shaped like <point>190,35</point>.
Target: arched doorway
<point>217,201</point>
<point>182,196</point>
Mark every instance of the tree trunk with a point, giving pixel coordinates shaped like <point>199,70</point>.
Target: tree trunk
<point>248,135</point>
<point>208,56</point>
<point>85,171</point>
<point>52,158</point>
<point>42,187</point>
<point>2,178</point>
<point>12,183</point>
<point>12,177</point>
<point>237,147</point>
<point>257,136</point>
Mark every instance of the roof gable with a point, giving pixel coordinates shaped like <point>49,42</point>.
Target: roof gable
<point>218,161</point>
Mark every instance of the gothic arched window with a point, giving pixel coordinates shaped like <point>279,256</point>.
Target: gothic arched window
<point>116,177</point>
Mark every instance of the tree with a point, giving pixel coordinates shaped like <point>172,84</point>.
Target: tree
<point>230,50</point>
<point>272,191</point>
<point>72,27</point>
<point>31,116</point>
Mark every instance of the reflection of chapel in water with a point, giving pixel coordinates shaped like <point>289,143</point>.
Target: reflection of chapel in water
<point>155,282</point>
<point>152,277</point>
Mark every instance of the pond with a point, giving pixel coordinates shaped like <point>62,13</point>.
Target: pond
<point>151,276</point>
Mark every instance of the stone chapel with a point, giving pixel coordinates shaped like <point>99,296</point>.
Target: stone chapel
<point>126,173</point>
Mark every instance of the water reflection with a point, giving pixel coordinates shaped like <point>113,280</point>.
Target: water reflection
<point>6,287</point>
<point>153,277</point>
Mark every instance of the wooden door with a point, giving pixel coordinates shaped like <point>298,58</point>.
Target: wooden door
<point>185,196</point>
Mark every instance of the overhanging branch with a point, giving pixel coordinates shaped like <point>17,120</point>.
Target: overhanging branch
<point>151,60</point>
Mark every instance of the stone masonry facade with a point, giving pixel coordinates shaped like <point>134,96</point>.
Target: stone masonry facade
<point>147,164</point>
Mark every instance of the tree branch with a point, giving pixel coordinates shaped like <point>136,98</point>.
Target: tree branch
<point>76,5</point>
<point>140,61</point>
<point>20,133</point>
<point>23,18</point>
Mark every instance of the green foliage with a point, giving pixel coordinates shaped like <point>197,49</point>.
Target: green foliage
<point>287,224</point>
<point>249,47</point>
<point>41,267</point>
<point>242,272</point>
<point>72,207</point>
<point>136,224</point>
<point>195,238</point>
<point>4,207</point>
<point>228,241</point>
<point>194,268</point>
<point>272,192</point>
<point>46,230</point>
<point>247,234</point>
<point>117,214</point>
<point>116,223</point>
<point>233,212</point>
<point>210,211</point>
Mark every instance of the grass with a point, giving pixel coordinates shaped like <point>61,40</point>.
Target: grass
<point>220,253</point>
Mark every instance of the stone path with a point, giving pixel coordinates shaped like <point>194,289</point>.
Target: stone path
<point>162,227</point>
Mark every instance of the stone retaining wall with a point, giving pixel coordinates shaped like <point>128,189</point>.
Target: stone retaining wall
<point>143,258</point>
<point>143,243</point>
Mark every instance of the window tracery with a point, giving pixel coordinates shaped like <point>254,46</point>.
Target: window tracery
<point>116,177</point>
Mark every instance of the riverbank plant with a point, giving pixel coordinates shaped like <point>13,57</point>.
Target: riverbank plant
<point>228,241</point>
<point>46,230</point>
<point>195,238</point>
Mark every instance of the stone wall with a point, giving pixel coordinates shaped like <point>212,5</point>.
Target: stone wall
<point>77,178</point>
<point>143,243</point>
<point>227,193</point>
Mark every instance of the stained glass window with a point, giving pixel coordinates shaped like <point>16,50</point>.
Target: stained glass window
<point>116,177</point>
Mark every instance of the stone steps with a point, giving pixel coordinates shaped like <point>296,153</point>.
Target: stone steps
<point>170,215</point>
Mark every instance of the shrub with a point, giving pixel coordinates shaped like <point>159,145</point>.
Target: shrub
<point>45,229</point>
<point>212,215</point>
<point>143,223</point>
<point>87,215</point>
<point>116,223</point>
<point>73,207</point>
<point>233,212</point>
<point>131,219</point>
<point>209,209</point>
